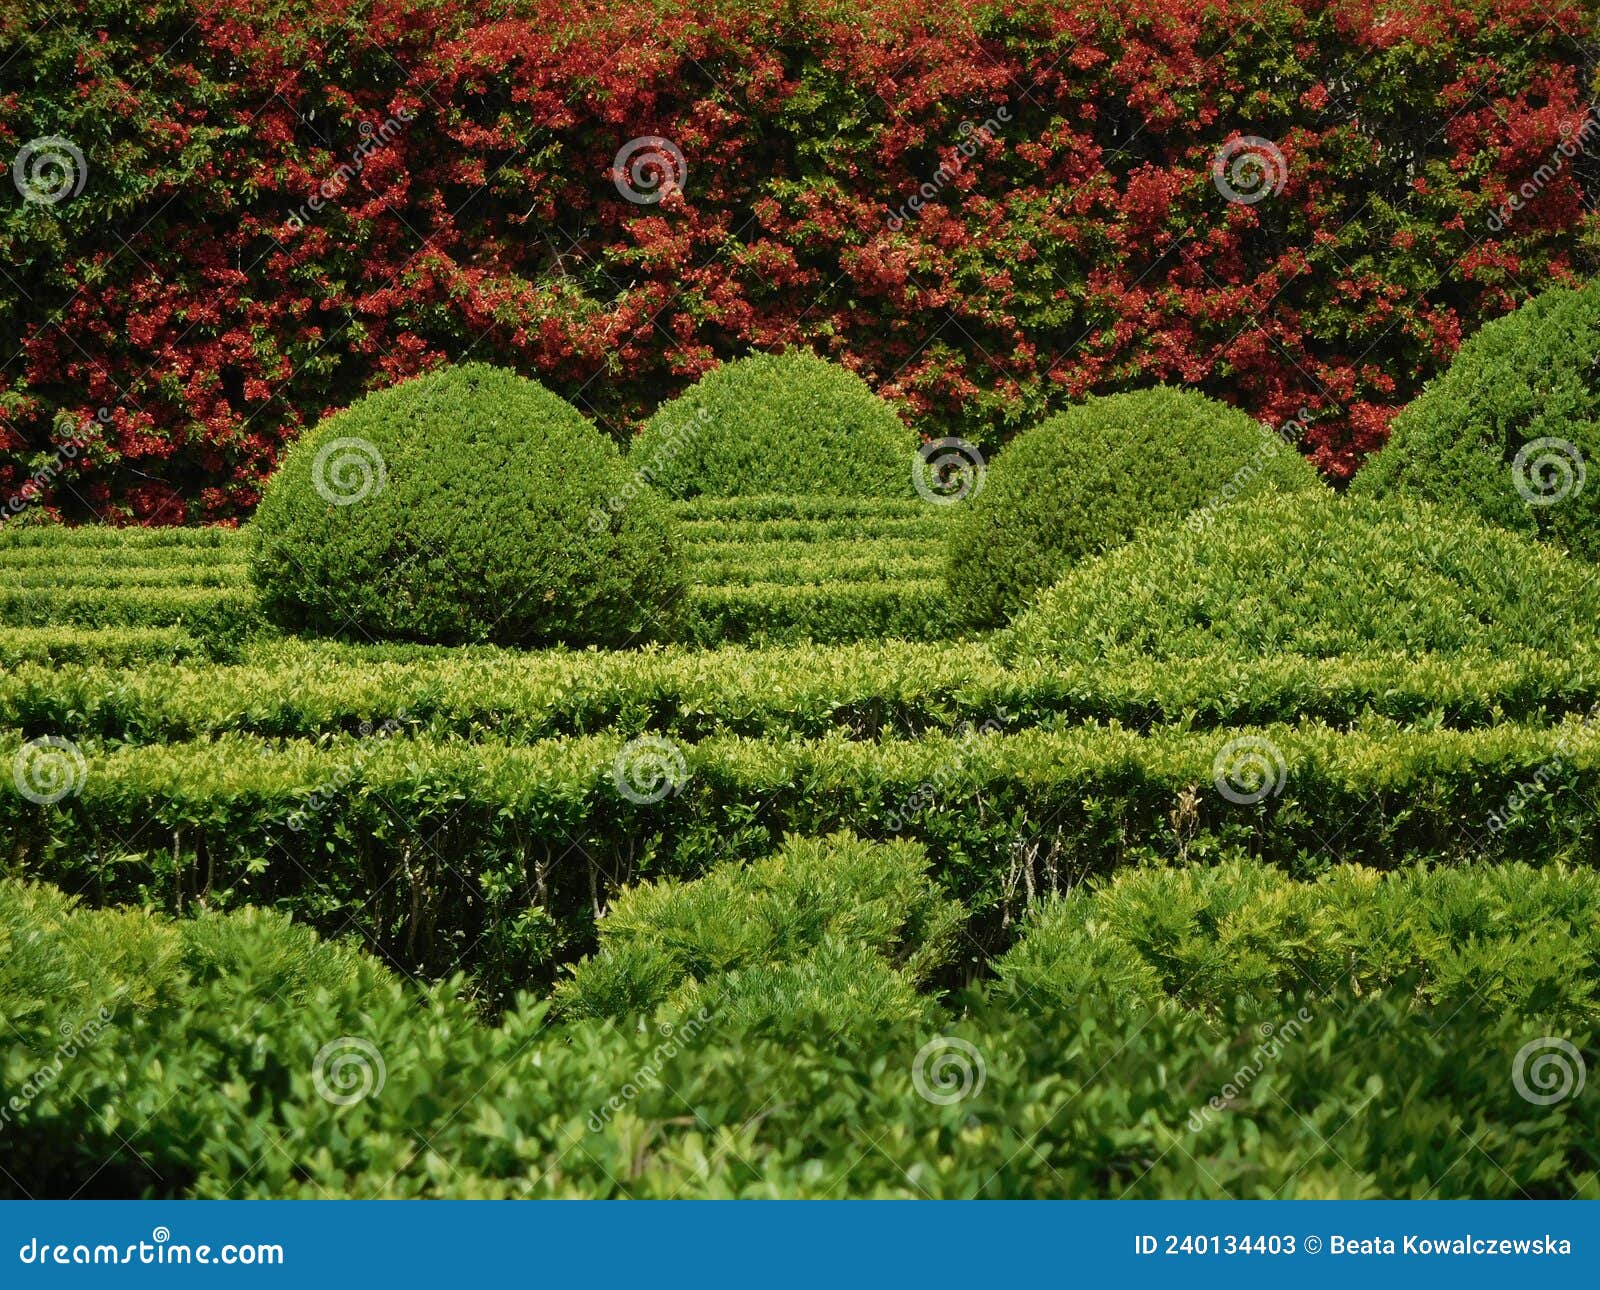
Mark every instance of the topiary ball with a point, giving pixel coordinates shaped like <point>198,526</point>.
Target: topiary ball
<point>1510,429</point>
<point>777,423</point>
<point>1086,479</point>
<point>468,505</point>
<point>1318,576</point>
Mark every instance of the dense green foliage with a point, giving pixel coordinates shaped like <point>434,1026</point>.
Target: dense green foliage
<point>788,423</point>
<point>466,505</point>
<point>1318,576</point>
<point>1353,1095</point>
<point>1087,478</point>
<point>1512,429</point>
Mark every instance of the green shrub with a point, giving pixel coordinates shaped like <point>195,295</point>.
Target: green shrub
<point>788,423</point>
<point>1526,384</point>
<point>850,926</point>
<point>1086,479</point>
<point>466,505</point>
<point>1317,576</point>
<point>1515,939</point>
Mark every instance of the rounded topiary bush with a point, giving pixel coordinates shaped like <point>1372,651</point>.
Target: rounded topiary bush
<point>1510,431</point>
<point>1086,479</point>
<point>1317,576</point>
<point>463,506</point>
<point>777,423</point>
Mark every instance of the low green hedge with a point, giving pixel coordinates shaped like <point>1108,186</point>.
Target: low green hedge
<point>435,849</point>
<point>305,1075</point>
<point>1512,938</point>
<point>104,646</point>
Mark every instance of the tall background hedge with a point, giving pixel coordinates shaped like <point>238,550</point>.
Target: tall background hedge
<point>1075,241</point>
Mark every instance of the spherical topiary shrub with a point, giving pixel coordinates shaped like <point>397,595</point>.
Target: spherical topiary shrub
<point>1510,431</point>
<point>1086,479</point>
<point>1317,576</point>
<point>777,423</point>
<point>463,506</point>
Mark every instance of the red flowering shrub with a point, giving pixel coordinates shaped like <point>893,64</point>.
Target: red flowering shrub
<point>986,208</point>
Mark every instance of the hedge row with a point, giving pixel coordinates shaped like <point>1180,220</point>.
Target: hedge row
<point>1350,1096</point>
<point>436,850</point>
<point>106,646</point>
<point>296,690</point>
<point>991,208</point>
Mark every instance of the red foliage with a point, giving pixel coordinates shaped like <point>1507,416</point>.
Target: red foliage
<point>987,210</point>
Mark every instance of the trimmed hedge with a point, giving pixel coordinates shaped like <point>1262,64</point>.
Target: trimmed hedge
<point>1319,576</point>
<point>1087,479</point>
<point>1352,1096</point>
<point>433,848</point>
<point>788,423</point>
<point>302,690</point>
<point>467,505</point>
<point>1511,938</point>
<point>1511,430</point>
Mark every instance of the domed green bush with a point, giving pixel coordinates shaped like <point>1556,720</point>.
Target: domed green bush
<point>1316,576</point>
<point>464,506</point>
<point>1086,479</point>
<point>777,423</point>
<point>1510,430</point>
